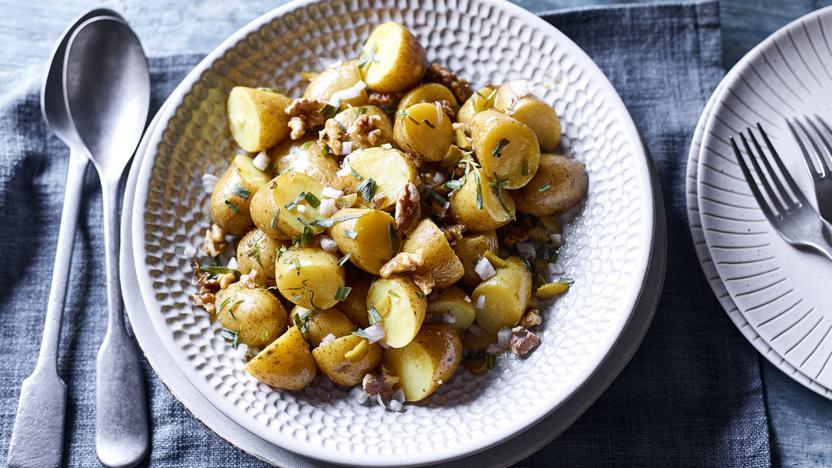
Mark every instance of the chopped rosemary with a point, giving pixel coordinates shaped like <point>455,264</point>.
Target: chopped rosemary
<point>497,185</point>
<point>215,271</point>
<point>501,145</point>
<point>231,335</point>
<point>355,174</point>
<point>412,119</point>
<point>359,111</point>
<point>393,293</point>
<point>232,206</point>
<point>455,184</point>
<point>490,360</point>
<point>325,223</point>
<point>367,189</point>
<point>306,146</point>
<point>375,317</point>
<point>329,111</point>
<point>241,192</point>
<point>367,57</point>
<point>544,188</point>
<point>479,189</point>
<point>342,293</point>
<point>566,280</point>
<point>294,203</point>
<point>313,201</point>
<point>428,123</point>
<point>359,332</point>
<point>254,250</point>
<point>392,238</point>
<point>344,259</point>
<point>342,127</point>
<point>275,216</point>
<point>296,262</point>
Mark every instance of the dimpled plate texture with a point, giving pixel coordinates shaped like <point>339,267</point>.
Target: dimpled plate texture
<point>607,245</point>
<point>777,291</point>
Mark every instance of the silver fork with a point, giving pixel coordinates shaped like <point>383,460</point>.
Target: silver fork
<point>818,160</point>
<point>787,210</point>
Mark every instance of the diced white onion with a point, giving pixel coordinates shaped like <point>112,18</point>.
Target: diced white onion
<point>438,178</point>
<point>375,332</point>
<point>447,205</point>
<point>494,348</point>
<point>189,251</point>
<point>345,170</point>
<point>329,192</point>
<point>554,269</point>
<point>303,312</point>
<point>300,208</point>
<point>242,350</point>
<point>485,270</point>
<point>395,405</point>
<point>327,243</point>
<point>334,64</point>
<point>439,113</point>
<point>526,249</point>
<point>504,336</point>
<point>346,94</point>
<point>232,264</point>
<point>261,161</point>
<point>520,88</point>
<point>346,147</point>
<point>467,298</point>
<point>327,207</point>
<point>387,146</point>
<point>328,339</point>
<point>209,181</point>
<point>359,394</point>
<point>449,318</point>
<point>556,239</point>
<point>480,303</point>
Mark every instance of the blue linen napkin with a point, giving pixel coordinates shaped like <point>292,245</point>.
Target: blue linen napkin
<point>691,396</point>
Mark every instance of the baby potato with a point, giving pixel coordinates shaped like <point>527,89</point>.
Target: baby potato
<point>257,117</point>
<point>427,362</point>
<point>321,323</point>
<point>430,93</point>
<point>478,102</point>
<point>390,171</point>
<point>334,80</point>
<point>427,248</point>
<point>477,205</point>
<point>348,117</point>
<point>355,305</point>
<point>257,251</point>
<point>231,198</point>
<point>309,277</point>
<point>505,147</point>
<point>401,305</point>
<point>368,236</point>
<point>297,197</point>
<point>348,359</point>
<point>424,130</point>
<point>453,302</point>
<point>392,59</point>
<point>265,211</point>
<point>476,341</point>
<point>559,185</point>
<point>505,296</point>
<point>533,112</point>
<point>470,250</point>
<point>286,364</point>
<point>254,314</point>
<point>306,157</point>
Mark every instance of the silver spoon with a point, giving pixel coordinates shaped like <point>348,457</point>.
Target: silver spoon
<point>37,436</point>
<point>107,94</point>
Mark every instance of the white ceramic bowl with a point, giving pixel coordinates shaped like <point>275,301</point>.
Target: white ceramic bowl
<point>607,246</point>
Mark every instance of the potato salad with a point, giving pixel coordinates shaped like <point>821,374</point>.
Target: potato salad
<point>389,228</point>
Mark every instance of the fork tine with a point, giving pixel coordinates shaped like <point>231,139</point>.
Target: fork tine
<point>798,194</point>
<point>755,189</point>
<point>810,162</point>
<point>813,141</point>
<point>778,195</point>
<point>825,141</point>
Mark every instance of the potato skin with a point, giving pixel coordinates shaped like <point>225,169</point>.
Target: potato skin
<point>507,296</point>
<point>429,242</point>
<point>430,93</point>
<point>309,277</point>
<point>231,198</point>
<point>392,59</point>
<point>305,156</point>
<point>470,250</point>
<point>492,215</point>
<point>388,167</point>
<point>454,302</point>
<point>478,102</point>
<point>286,188</point>
<point>257,251</point>
<point>255,314</point>
<point>331,361</point>
<point>427,362</point>
<point>533,112</point>
<point>257,118</point>
<point>322,323</point>
<point>516,162</point>
<point>355,305</point>
<point>421,131</point>
<point>265,212</point>
<point>328,82</point>
<point>286,364</point>
<point>568,184</point>
<point>371,247</point>
<point>402,312</point>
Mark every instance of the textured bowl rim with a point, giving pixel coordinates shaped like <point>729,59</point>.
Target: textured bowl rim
<point>640,268</point>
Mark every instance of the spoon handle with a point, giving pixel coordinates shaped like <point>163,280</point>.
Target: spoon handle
<point>121,421</point>
<point>38,434</point>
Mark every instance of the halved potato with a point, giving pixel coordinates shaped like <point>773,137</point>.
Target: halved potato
<point>319,324</point>
<point>348,359</point>
<point>426,362</point>
<point>296,210</point>
<point>254,314</point>
<point>430,93</point>
<point>424,130</point>
<point>257,117</point>
<point>368,236</point>
<point>505,147</point>
<point>392,59</point>
<point>470,250</point>
<point>505,296</point>
<point>478,102</point>
<point>333,81</point>
<point>257,251</point>
<point>286,364</point>
<point>309,277</point>
<point>390,171</point>
<point>231,198</point>
<point>401,305</point>
<point>560,184</point>
<point>533,112</point>
<point>478,206</point>
<point>453,302</point>
<point>306,156</point>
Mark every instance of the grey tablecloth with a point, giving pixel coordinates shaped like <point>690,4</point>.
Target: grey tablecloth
<point>691,396</point>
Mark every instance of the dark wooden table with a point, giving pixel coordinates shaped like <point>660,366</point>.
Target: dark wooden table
<point>800,420</point>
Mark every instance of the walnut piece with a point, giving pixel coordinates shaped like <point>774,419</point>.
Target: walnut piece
<point>531,318</point>
<point>513,234</point>
<point>459,86</point>
<point>205,300</point>
<point>447,109</point>
<point>333,137</point>
<point>304,114</point>
<point>425,282</point>
<point>214,241</point>
<point>522,341</point>
<point>380,382</point>
<point>382,100</point>
<point>453,232</point>
<point>408,209</point>
<point>208,286</point>
<point>403,262</point>
<point>366,130</point>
